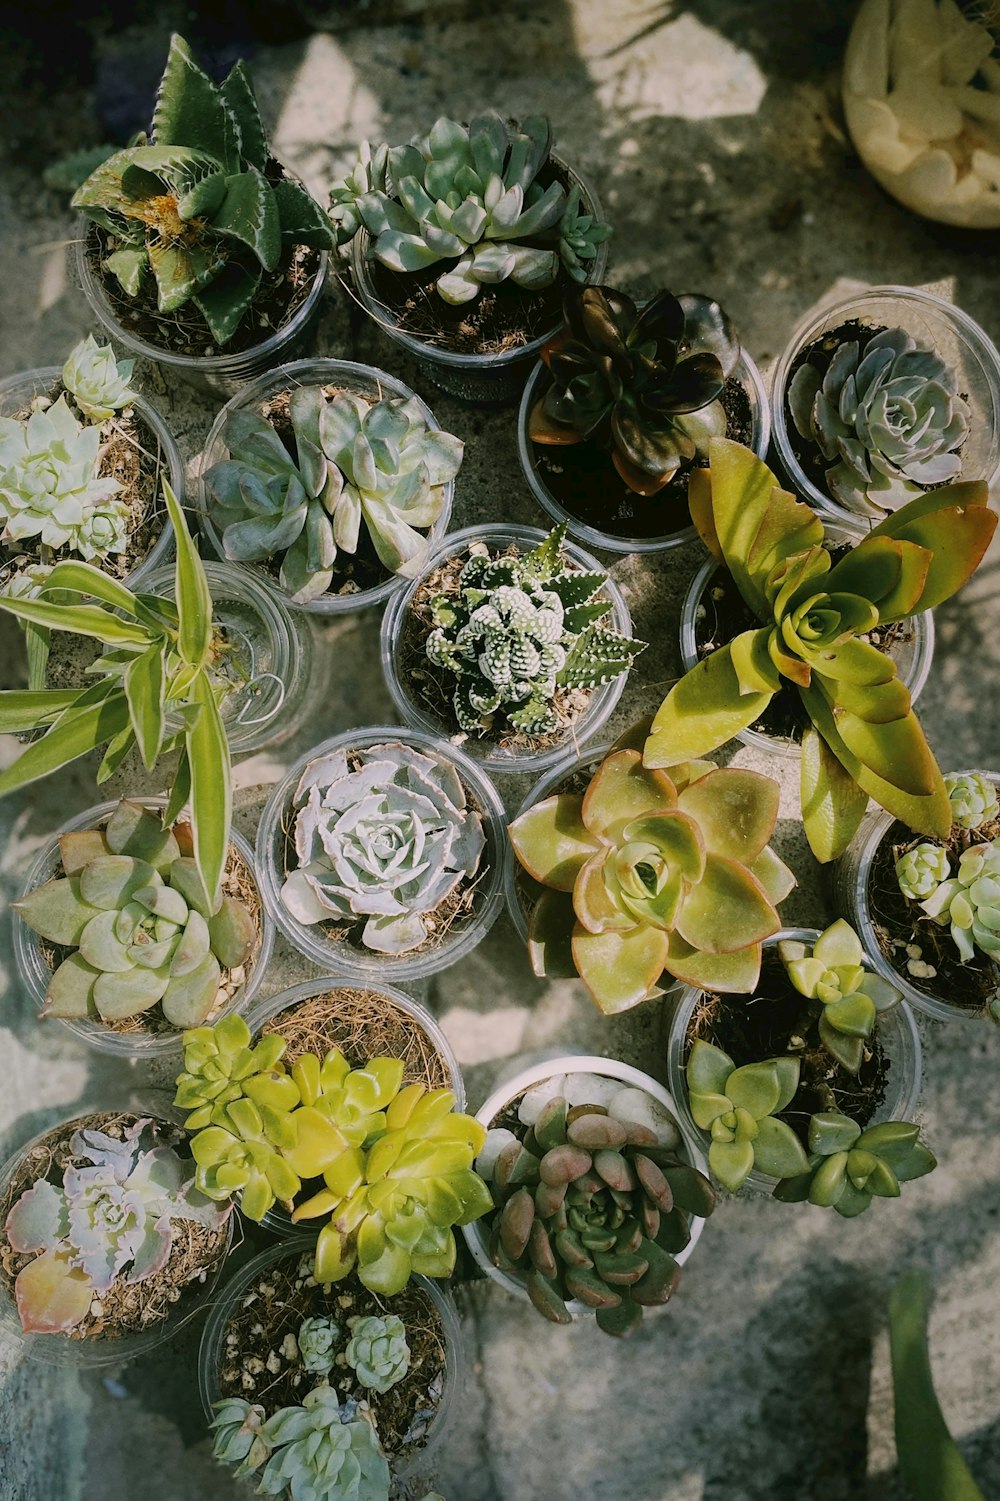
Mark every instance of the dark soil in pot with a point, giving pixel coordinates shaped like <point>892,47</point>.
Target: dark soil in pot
<point>363,1024</point>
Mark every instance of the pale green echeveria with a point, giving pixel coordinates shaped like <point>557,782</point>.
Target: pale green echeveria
<point>50,487</point>
<point>318,1341</point>
<point>973,798</point>
<point>848,1167</point>
<point>921,870</point>
<point>832,971</point>
<point>969,902</point>
<point>98,383</point>
<point>740,1109</point>
<point>355,462</point>
<point>237,1441</point>
<point>887,415</point>
<point>319,1453</point>
<point>377,1351</point>
<point>369,174</point>
<point>28,581</point>
<point>112,1214</point>
<point>386,839</point>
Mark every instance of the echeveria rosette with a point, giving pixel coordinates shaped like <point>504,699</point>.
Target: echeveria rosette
<point>886,415</point>
<point>386,836</point>
<point>377,1351</point>
<point>320,1451</point>
<point>973,798</point>
<point>921,870</point>
<point>848,1167</point>
<point>832,971</point>
<point>864,740</point>
<point>318,1340</point>
<point>650,872</point>
<point>739,1107</point>
<point>645,384</point>
<point>98,383</point>
<point>969,902</point>
<point>236,1435</point>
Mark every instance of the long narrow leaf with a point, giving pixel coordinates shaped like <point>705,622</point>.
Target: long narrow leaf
<point>79,620</point>
<point>144,689</point>
<point>211,788</point>
<point>83,578</point>
<point>179,792</point>
<point>36,640</point>
<point>23,709</point>
<point>118,748</point>
<point>73,736</point>
<point>194,600</point>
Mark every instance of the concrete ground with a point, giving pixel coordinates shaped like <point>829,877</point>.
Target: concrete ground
<point>714,133</point>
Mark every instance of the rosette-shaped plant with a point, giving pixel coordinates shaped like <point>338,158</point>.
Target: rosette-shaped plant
<point>740,1108</point>
<point>886,415</point>
<point>318,1341</point>
<point>98,383</point>
<point>142,931</point>
<point>355,461</point>
<point>848,1167</point>
<point>203,207</point>
<point>645,384</point>
<point>237,1441</point>
<point>517,629</point>
<point>377,1351</point>
<point>815,618</point>
<point>651,872</point>
<point>973,798</point>
<point>921,870</point>
<point>111,1214</point>
<point>832,971</point>
<point>384,835</point>
<point>969,902</point>
<point>319,1453</point>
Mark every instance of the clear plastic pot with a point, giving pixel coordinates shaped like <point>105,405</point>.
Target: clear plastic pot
<point>147,1047</point>
<point>60,1350</point>
<point>896,1031</point>
<point>341,958</point>
<point>485,749</point>
<point>745,372</point>
<point>935,324</point>
<point>471,377</point>
<point>366,381</point>
<point>271,665</point>
<point>213,1343</point>
<point>609,1068</point>
<point>851,876</point>
<point>221,374</point>
<point>17,391</point>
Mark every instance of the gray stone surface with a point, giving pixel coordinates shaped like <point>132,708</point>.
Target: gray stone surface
<point>713,132</point>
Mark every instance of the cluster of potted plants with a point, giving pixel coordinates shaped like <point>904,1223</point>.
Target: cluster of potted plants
<point>642,868</point>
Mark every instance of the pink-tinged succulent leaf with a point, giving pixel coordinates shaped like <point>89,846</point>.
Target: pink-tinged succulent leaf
<point>778,1151</point>
<point>550,937</point>
<point>752,662</point>
<point>623,789</point>
<point>787,664</point>
<point>700,506</point>
<point>595,908</point>
<point>733,974</point>
<point>833,804</point>
<point>150,1255</point>
<point>53,1296</point>
<point>78,847</point>
<point>702,712</point>
<point>886,570</point>
<point>735,810</point>
<point>57,911</point>
<point>551,841</point>
<point>728,910</point>
<point>955,525</point>
<point>39,1220</point>
<point>620,969</point>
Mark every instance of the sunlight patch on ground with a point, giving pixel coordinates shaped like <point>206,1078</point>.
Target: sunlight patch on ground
<point>326,112</point>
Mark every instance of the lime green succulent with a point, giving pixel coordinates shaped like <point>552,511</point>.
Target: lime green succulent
<point>740,1108</point>
<point>832,971</point>
<point>921,870</point>
<point>969,902</point>
<point>848,1167</point>
<point>973,798</point>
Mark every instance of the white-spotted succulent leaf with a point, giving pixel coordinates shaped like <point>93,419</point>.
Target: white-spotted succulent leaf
<point>320,1453</point>
<point>318,1340</point>
<point>973,798</point>
<point>98,383</point>
<point>848,1167</point>
<point>832,971</point>
<point>921,870</point>
<point>969,902</point>
<point>377,1351</point>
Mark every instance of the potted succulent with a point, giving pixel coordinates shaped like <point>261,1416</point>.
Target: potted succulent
<point>648,874</point>
<point>621,408</point>
<point>118,939</point>
<point>883,397</point>
<point>813,619</point>
<point>333,478</point>
<point>463,240</point>
<point>106,1245</point>
<point>511,643</point>
<point>380,854</point>
<point>932,906</point>
<point>318,1391</point>
<point>200,251</point>
<point>819,1051</point>
<point>82,461</point>
<point>600,1197</point>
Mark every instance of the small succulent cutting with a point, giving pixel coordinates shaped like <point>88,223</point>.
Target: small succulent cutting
<point>377,1351</point>
<point>848,1167</point>
<point>356,462</point>
<point>864,739</point>
<point>832,971</point>
<point>519,628</point>
<point>887,417</point>
<point>973,798</point>
<point>318,1341</point>
<point>741,1107</point>
<point>644,384</point>
<point>202,206</point>
<point>475,197</point>
<point>383,837</point>
<point>96,380</point>
<point>109,1218</point>
<point>141,928</point>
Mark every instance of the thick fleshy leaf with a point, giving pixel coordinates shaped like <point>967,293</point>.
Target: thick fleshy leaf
<point>955,524</point>
<point>896,752</point>
<point>708,1068</point>
<point>777,1150</point>
<point>889,572</point>
<point>700,506</point>
<point>551,841</point>
<point>735,810</point>
<point>727,910</point>
<point>592,902</point>
<point>39,1219</point>
<point>57,911</point>
<point>71,989</point>
<point>211,788</point>
<point>833,804</point>
<point>731,1162</point>
<point>734,974</point>
<point>194,601</point>
<point>550,935</point>
<point>52,1295</point>
<point>742,495</point>
<point>622,790</point>
<point>755,1089</point>
<point>702,712</point>
<point>753,661</point>
<point>619,969</point>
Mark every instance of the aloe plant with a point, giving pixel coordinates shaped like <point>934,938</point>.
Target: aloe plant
<point>863,737</point>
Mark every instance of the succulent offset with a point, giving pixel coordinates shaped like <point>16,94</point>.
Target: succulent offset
<point>644,383</point>
<point>921,870</point>
<point>318,1340</point>
<point>815,617</point>
<point>384,835</point>
<point>973,798</point>
<point>377,1351</point>
<point>653,872</point>
<point>97,382</point>
<point>832,971</point>
<point>848,1166</point>
<point>741,1109</point>
<point>472,196</point>
<point>317,1451</point>
<point>237,1441</point>
<point>109,1217</point>
<point>202,207</point>
<point>355,462</point>
<point>517,629</point>
<point>969,902</point>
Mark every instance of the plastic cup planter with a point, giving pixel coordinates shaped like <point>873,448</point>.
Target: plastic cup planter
<point>221,373</point>
<point>471,377</point>
<point>36,972</point>
<point>608,1068</point>
<point>229,1300</point>
<point>896,1031</point>
<point>531,454</point>
<point>935,324</point>
<point>851,883</point>
<point>342,958</point>
<point>17,391</point>
<point>364,380</point>
<point>486,749</point>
